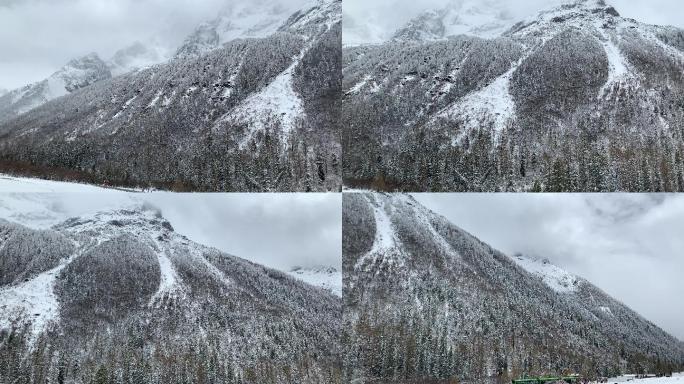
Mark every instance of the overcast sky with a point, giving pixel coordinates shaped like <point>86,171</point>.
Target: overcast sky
<point>277,230</point>
<point>374,21</point>
<point>37,37</point>
<point>629,245</point>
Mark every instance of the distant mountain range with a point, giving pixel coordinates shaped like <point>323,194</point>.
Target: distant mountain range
<point>427,302</point>
<point>119,296</point>
<point>576,98</point>
<point>250,114</point>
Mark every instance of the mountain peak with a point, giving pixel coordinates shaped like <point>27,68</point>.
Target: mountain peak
<point>143,221</point>
<point>485,19</point>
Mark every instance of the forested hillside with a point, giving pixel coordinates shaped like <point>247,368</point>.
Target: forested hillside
<point>574,99</point>
<point>119,297</point>
<point>426,302</point>
<point>256,114</point>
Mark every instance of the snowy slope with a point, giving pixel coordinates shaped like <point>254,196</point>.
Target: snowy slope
<point>14,184</point>
<point>285,81</point>
<point>560,70</point>
<point>556,278</point>
<point>435,280</point>
<point>127,267</point>
<point>677,378</point>
<point>277,101</point>
<point>329,278</point>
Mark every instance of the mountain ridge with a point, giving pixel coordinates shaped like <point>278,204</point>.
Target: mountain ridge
<point>426,300</point>
<point>126,275</point>
<point>554,104</point>
<point>254,102</point>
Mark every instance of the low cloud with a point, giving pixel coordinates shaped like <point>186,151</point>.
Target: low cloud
<point>373,22</point>
<point>37,37</point>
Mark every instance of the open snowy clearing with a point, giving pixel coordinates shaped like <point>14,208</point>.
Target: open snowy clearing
<point>15,184</point>
<point>676,378</point>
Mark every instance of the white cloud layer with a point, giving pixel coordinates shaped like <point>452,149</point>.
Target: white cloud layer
<point>629,245</point>
<point>367,22</point>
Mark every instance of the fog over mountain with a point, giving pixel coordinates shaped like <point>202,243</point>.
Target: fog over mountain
<point>37,37</point>
<point>372,23</point>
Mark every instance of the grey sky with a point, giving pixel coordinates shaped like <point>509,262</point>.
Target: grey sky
<point>277,230</point>
<point>374,21</point>
<point>630,245</point>
<point>37,37</point>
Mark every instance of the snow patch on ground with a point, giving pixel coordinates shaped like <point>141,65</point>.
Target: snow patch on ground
<point>328,278</point>
<point>199,254</point>
<point>677,378</point>
<point>278,100</point>
<point>606,310</point>
<point>157,96</point>
<point>11,184</point>
<point>423,215</point>
<point>492,104</point>
<point>357,87</point>
<point>169,281</point>
<point>384,233</point>
<point>556,278</point>
<point>33,301</point>
<point>124,107</point>
<point>385,242</point>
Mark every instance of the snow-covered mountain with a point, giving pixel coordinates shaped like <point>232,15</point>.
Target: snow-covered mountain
<point>102,291</point>
<point>329,278</point>
<point>425,300</point>
<point>254,19</point>
<point>79,73</point>
<point>76,74</point>
<point>269,104</point>
<point>576,98</point>
<point>482,18</point>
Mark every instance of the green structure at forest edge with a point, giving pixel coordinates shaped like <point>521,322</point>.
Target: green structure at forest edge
<point>543,380</point>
